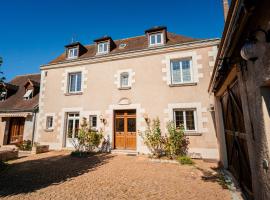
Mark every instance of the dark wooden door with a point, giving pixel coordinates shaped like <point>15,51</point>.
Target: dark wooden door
<point>236,138</point>
<point>125,129</point>
<point>16,130</point>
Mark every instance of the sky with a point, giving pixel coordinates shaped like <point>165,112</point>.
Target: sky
<point>34,32</point>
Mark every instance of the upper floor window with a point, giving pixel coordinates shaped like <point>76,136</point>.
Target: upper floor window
<point>103,47</point>
<point>181,71</point>
<point>73,53</point>
<point>75,82</point>
<point>156,39</point>
<point>28,94</point>
<point>124,80</point>
<point>49,122</point>
<point>186,119</point>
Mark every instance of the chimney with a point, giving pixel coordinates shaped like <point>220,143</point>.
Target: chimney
<point>225,9</point>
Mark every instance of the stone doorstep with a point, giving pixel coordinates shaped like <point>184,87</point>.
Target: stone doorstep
<point>124,152</point>
<point>163,161</point>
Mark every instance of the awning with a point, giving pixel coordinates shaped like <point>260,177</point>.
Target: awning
<point>16,114</point>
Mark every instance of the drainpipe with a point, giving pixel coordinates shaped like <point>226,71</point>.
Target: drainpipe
<point>34,126</point>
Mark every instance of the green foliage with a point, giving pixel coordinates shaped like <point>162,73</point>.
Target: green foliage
<point>185,160</point>
<point>173,145</point>
<point>153,138</point>
<point>26,145</point>
<point>177,143</point>
<point>88,139</point>
<point>2,78</point>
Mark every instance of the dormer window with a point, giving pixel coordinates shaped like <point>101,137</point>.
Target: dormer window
<point>103,47</point>
<point>73,53</point>
<point>28,95</point>
<point>156,39</point>
<point>3,95</point>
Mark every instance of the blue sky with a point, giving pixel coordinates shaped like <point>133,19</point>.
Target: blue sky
<point>33,32</point>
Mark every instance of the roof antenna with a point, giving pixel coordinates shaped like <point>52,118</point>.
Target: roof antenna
<point>73,38</point>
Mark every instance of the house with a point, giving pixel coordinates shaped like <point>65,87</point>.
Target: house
<point>119,84</point>
<point>19,109</point>
<point>241,86</point>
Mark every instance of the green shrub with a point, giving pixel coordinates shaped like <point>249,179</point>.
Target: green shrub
<point>87,139</point>
<point>26,145</point>
<point>185,160</point>
<point>177,143</point>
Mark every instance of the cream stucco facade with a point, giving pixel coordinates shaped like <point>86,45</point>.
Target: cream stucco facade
<point>150,93</point>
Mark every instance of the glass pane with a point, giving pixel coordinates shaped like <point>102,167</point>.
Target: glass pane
<point>179,118</point>
<point>159,38</point>
<point>152,39</point>
<point>186,71</point>
<point>70,128</point>
<point>124,80</point>
<point>190,120</point>
<point>79,81</point>
<point>105,47</point>
<point>72,82</point>
<point>131,124</point>
<point>93,121</point>
<point>77,124</point>
<point>100,48</point>
<point>119,125</point>
<point>176,73</point>
<point>75,52</point>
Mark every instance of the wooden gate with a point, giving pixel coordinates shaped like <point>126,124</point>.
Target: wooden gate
<point>125,129</point>
<point>16,130</point>
<point>236,138</point>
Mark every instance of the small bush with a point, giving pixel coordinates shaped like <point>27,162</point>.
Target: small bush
<point>185,160</point>
<point>26,145</point>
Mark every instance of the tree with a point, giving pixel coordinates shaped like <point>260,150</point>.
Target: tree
<point>2,78</point>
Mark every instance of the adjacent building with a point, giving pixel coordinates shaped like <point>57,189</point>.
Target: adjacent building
<point>241,86</point>
<point>118,84</point>
<point>19,109</point>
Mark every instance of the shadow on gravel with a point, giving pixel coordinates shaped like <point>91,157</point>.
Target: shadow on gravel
<point>33,175</point>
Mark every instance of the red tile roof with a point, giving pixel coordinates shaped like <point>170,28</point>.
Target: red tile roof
<point>132,44</point>
<point>16,102</point>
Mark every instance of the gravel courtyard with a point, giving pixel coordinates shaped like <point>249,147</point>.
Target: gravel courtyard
<point>56,175</point>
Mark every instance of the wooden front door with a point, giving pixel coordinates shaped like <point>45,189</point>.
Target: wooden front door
<point>125,129</point>
<point>16,130</point>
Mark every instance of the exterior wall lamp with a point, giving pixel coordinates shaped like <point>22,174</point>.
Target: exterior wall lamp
<point>102,119</point>
<point>254,47</point>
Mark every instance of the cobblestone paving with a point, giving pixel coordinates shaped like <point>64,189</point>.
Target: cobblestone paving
<point>56,175</point>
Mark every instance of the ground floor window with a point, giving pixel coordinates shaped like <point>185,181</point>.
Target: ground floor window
<point>73,123</point>
<point>185,118</point>
<point>49,122</point>
<point>93,122</point>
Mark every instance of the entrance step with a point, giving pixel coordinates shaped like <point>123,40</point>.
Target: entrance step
<point>124,152</point>
<point>9,147</point>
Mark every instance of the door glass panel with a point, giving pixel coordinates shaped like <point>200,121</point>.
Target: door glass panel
<point>131,124</point>
<point>77,124</point>
<point>70,128</point>
<point>119,125</point>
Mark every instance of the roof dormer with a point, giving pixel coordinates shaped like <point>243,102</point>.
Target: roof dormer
<point>156,36</point>
<point>104,45</point>
<point>6,90</point>
<point>74,50</point>
<point>31,89</point>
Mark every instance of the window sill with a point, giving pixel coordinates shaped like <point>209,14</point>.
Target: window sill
<point>75,93</point>
<point>124,88</point>
<point>182,84</point>
<point>48,130</point>
<point>102,53</point>
<point>193,133</point>
<point>71,58</point>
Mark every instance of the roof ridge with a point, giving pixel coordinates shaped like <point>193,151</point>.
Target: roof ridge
<point>27,74</point>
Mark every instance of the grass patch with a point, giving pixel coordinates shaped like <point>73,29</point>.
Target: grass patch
<point>185,160</point>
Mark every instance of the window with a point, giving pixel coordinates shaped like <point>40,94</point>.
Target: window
<point>103,47</point>
<point>181,71</point>
<point>185,118</point>
<point>156,39</point>
<point>49,122</point>
<point>93,121</point>
<point>73,53</point>
<point>124,80</point>
<point>75,82</point>
<point>3,95</point>
<point>73,122</point>
<point>28,94</point>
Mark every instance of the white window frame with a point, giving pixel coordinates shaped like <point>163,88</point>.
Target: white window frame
<point>91,121</point>
<point>71,53</point>
<point>101,47</point>
<point>76,82</point>
<point>181,71</point>
<point>73,118</point>
<point>3,95</point>
<point>128,81</point>
<point>184,118</point>
<point>155,35</point>
<point>48,125</point>
<point>28,95</point>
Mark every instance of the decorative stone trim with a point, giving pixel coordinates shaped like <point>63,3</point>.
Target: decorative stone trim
<point>45,121</point>
<point>64,81</point>
<point>131,78</point>
<point>198,115</point>
<point>180,55</point>
<point>212,56</point>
